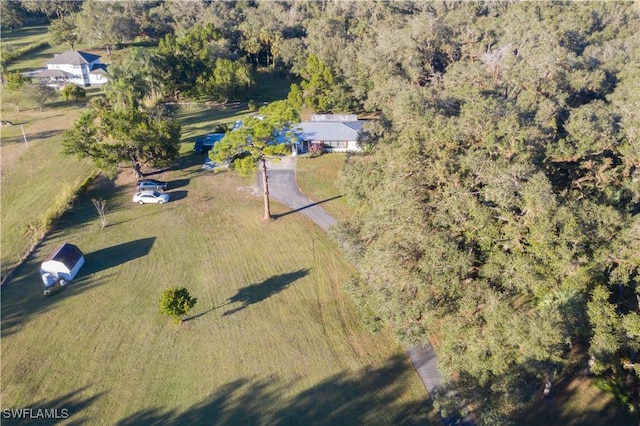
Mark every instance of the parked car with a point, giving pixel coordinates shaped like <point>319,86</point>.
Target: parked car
<point>151,185</point>
<point>150,197</point>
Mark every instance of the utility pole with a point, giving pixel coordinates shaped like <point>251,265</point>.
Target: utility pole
<point>24,136</point>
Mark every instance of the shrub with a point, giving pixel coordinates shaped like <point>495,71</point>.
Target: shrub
<point>101,207</point>
<point>35,230</point>
<point>176,302</point>
<point>315,150</point>
<point>14,81</point>
<point>73,91</point>
<point>10,53</point>
<point>221,128</point>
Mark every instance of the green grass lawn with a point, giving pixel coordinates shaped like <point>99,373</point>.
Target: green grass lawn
<point>32,35</point>
<point>198,121</point>
<point>33,173</point>
<point>320,178</point>
<point>270,87</point>
<point>272,340</point>
<point>24,36</point>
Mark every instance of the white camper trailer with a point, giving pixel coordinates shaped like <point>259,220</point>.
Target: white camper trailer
<point>61,266</point>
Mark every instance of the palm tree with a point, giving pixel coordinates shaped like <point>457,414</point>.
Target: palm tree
<point>146,64</point>
<point>126,87</point>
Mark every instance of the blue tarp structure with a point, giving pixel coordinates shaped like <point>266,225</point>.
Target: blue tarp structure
<point>205,143</point>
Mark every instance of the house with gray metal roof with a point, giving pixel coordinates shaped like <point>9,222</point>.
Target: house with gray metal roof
<point>335,133</point>
<point>73,66</point>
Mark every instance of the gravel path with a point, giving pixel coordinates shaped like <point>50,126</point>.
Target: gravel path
<point>283,188</point>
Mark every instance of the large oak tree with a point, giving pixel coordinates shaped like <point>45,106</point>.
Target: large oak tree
<point>112,137</point>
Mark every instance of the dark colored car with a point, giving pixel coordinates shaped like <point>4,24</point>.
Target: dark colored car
<point>151,185</point>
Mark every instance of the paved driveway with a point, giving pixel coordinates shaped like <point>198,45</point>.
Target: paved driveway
<point>283,188</point>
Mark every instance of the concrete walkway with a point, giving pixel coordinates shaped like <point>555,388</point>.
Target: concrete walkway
<point>283,188</point>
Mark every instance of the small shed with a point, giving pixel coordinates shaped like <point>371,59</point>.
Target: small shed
<point>63,264</point>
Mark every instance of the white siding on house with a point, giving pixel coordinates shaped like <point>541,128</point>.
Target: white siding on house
<point>335,134</point>
<point>81,68</point>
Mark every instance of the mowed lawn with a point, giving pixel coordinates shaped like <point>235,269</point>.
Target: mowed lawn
<point>320,179</point>
<point>31,36</point>
<point>272,339</point>
<point>33,172</point>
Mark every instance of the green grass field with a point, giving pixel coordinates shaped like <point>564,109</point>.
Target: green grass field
<point>25,36</point>
<point>272,339</point>
<point>29,36</point>
<point>320,178</point>
<point>33,172</point>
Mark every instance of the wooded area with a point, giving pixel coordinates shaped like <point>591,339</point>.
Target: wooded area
<point>498,209</point>
<point>499,194</point>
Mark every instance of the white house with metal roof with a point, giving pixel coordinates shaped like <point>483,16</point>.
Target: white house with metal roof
<point>73,66</point>
<point>335,132</point>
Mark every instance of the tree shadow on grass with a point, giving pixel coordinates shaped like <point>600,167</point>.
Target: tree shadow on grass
<point>84,212</point>
<point>255,293</point>
<point>375,396</point>
<point>187,161</point>
<point>23,32</point>
<point>573,401</point>
<point>178,183</point>
<point>199,315</point>
<point>67,408</point>
<point>177,195</point>
<point>22,296</point>
<point>109,257</point>
<point>45,134</point>
<point>560,408</point>
<point>19,139</point>
<point>278,216</point>
<point>203,120</point>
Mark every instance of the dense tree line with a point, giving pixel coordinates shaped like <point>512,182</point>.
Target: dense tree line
<point>499,194</point>
<point>498,207</point>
